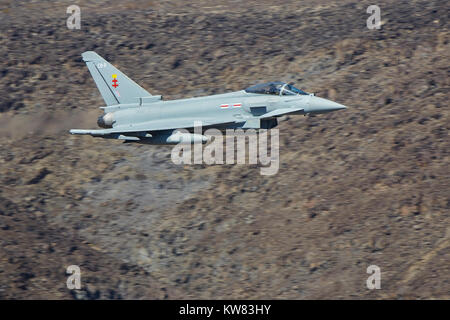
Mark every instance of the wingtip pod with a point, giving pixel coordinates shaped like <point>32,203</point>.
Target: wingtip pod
<point>79,131</point>
<point>89,132</point>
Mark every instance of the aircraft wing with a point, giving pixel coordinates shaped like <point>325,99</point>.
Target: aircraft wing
<point>160,125</point>
<point>157,125</point>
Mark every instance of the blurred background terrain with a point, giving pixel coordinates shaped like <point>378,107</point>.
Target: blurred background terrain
<point>367,185</point>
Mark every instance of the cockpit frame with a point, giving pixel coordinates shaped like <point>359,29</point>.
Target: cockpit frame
<point>275,88</point>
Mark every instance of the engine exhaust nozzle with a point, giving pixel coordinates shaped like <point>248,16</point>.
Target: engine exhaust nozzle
<point>106,120</point>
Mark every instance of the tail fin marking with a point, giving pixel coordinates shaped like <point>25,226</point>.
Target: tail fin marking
<point>114,86</point>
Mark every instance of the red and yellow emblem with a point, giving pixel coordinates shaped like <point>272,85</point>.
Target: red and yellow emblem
<point>115,84</point>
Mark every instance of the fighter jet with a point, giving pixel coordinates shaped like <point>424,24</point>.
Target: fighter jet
<point>132,114</point>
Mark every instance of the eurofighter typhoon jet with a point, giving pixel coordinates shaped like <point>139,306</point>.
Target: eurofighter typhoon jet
<point>132,114</point>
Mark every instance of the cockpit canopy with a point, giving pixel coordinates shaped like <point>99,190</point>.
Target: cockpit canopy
<point>276,88</point>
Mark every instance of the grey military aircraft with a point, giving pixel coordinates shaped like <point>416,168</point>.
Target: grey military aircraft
<point>132,114</point>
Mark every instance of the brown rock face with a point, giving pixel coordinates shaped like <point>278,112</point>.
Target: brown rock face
<point>365,186</point>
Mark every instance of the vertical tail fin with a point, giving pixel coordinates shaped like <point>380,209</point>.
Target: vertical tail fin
<point>114,86</point>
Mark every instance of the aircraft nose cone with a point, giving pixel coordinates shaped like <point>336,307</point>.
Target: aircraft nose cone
<point>320,105</point>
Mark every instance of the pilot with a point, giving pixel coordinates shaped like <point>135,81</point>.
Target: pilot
<point>272,90</point>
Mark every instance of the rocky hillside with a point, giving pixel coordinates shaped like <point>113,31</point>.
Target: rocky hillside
<point>367,185</point>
